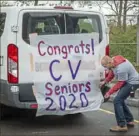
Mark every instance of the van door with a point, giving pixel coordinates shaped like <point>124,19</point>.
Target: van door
<point>89,23</point>
<point>40,22</point>
<point>58,34</point>
<point>48,22</point>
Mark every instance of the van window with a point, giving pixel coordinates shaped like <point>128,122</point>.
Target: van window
<point>83,23</point>
<point>2,22</point>
<point>44,23</point>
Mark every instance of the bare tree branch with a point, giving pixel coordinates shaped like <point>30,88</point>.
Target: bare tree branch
<point>116,6</point>
<point>3,3</point>
<point>124,15</point>
<point>129,4</point>
<point>112,7</point>
<point>99,3</point>
<point>36,2</point>
<point>131,7</point>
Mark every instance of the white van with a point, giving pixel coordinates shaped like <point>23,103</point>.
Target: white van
<point>16,23</point>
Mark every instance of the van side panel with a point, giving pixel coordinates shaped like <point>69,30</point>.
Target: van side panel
<point>25,77</point>
<point>24,50</point>
<point>7,37</point>
<point>7,94</point>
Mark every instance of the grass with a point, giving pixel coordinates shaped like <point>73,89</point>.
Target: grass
<point>128,51</point>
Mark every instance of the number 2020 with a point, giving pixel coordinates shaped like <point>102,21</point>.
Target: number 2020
<point>63,102</point>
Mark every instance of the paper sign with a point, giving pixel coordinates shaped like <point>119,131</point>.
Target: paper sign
<point>65,72</point>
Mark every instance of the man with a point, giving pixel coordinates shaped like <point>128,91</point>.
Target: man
<point>128,80</point>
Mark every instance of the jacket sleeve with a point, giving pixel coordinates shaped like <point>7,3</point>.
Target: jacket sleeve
<point>116,87</point>
<point>110,76</point>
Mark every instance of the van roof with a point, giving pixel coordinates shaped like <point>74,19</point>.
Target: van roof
<point>17,9</point>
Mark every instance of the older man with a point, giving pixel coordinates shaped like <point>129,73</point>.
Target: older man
<point>128,80</point>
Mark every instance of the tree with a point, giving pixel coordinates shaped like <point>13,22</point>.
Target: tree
<point>4,3</point>
<point>121,8</point>
<point>124,14</point>
<point>72,2</point>
<point>98,4</point>
<point>36,2</point>
<point>116,7</point>
<point>84,3</point>
<point>27,3</point>
<point>23,2</point>
<point>128,5</point>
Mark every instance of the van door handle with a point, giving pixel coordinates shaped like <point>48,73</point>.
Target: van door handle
<point>1,60</point>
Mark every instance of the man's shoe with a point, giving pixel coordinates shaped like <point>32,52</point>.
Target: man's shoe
<point>119,129</point>
<point>130,124</point>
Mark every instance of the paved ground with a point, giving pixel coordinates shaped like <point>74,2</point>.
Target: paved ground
<point>91,123</point>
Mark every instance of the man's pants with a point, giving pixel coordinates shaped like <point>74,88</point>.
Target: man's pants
<point>122,112</point>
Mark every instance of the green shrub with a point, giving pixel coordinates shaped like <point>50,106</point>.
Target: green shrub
<point>125,49</point>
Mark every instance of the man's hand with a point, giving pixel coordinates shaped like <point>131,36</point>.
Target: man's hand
<point>102,83</point>
<point>107,95</point>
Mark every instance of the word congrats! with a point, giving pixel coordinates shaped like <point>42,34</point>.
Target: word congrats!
<point>65,50</point>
